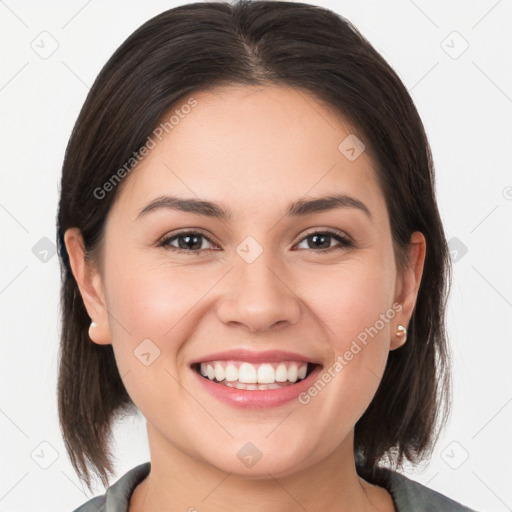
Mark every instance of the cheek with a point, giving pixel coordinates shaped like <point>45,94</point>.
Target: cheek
<point>354,305</point>
<point>351,299</point>
<point>149,308</point>
<point>154,301</point>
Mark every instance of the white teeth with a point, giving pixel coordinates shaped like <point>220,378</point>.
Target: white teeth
<point>219,372</point>
<point>247,374</point>
<point>261,387</point>
<point>265,374</point>
<point>293,371</point>
<point>231,372</point>
<point>281,373</point>
<point>250,376</point>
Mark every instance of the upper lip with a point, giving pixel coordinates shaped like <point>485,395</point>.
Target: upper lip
<point>251,356</point>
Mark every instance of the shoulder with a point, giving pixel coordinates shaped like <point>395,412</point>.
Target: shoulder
<point>117,496</point>
<point>413,496</point>
<point>96,504</point>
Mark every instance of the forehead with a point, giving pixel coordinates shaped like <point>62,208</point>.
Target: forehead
<point>254,144</point>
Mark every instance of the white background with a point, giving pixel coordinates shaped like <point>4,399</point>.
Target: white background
<point>466,106</point>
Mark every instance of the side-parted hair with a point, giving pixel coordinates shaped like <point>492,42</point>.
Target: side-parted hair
<point>196,47</point>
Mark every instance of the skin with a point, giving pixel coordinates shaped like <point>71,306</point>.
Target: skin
<point>255,150</point>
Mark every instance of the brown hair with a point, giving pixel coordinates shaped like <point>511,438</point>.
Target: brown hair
<point>193,48</point>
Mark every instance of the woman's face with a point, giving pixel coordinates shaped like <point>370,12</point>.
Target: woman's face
<point>261,280</point>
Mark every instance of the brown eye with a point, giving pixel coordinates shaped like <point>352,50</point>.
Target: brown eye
<point>322,240</point>
<point>188,241</point>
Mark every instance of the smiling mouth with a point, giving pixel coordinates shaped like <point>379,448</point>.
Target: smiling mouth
<point>252,377</point>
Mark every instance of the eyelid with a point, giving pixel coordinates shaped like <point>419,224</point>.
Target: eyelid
<point>329,231</point>
<point>345,241</point>
<point>198,231</point>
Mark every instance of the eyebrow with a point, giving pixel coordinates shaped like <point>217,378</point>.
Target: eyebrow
<point>298,208</point>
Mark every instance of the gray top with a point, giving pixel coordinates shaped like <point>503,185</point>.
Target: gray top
<point>408,495</point>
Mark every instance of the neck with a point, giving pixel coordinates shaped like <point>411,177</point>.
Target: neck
<point>179,482</point>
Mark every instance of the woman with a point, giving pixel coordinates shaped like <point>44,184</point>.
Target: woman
<point>253,257</point>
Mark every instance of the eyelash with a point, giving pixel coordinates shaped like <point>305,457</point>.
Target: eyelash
<point>345,242</point>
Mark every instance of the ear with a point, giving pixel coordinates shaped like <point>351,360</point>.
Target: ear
<point>408,284</point>
<point>90,285</point>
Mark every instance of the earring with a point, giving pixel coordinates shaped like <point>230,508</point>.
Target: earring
<point>401,332</point>
<point>94,324</point>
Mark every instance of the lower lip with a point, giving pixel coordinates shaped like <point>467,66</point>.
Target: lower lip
<point>258,399</point>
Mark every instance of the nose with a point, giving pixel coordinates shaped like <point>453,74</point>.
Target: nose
<point>258,295</point>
